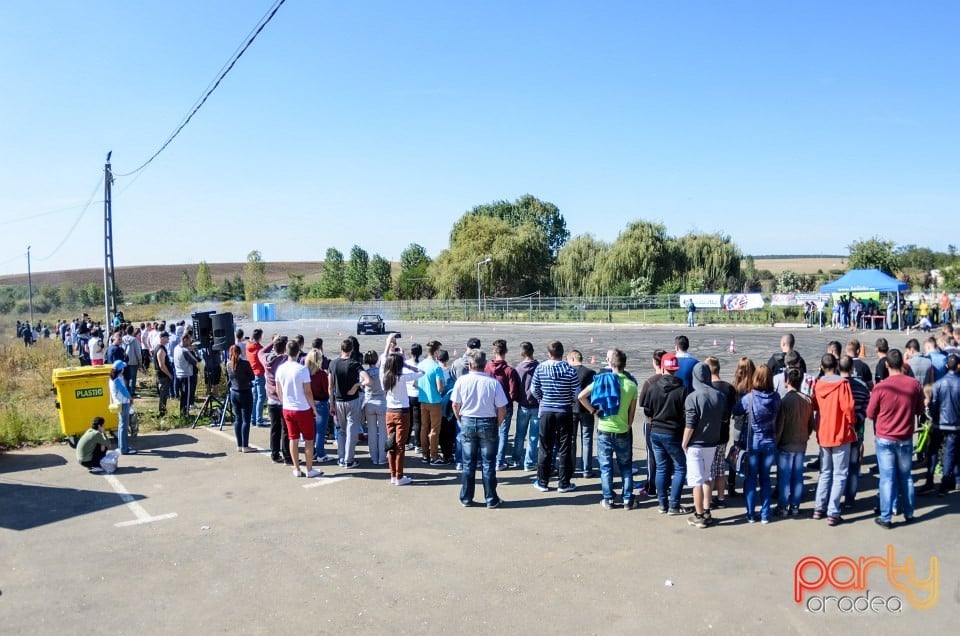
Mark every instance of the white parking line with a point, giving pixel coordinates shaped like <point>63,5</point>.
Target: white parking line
<point>320,481</point>
<point>141,515</point>
<point>314,483</point>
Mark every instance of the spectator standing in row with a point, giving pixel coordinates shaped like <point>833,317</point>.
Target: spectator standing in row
<point>479,403</point>
<point>296,398</point>
<point>705,409</point>
<point>240,380</point>
<point>510,383</point>
<point>945,414</point>
<point>758,437</point>
<point>894,406</point>
<point>795,423</point>
<point>663,403</point>
<point>833,402</point>
<point>346,377</point>
<point>614,428</point>
<point>582,418</point>
<point>555,385</point>
<point>396,375</point>
<point>430,388</point>
<point>253,352</point>
<point>528,415</point>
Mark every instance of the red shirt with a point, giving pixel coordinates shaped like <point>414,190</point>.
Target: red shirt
<point>893,405</point>
<point>252,349</point>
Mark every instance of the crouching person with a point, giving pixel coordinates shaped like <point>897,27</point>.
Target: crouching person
<point>93,445</point>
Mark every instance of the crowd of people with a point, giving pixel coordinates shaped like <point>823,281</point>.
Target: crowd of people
<point>700,432</point>
<point>850,312</point>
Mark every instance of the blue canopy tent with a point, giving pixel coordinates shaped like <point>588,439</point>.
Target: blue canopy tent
<point>865,280</point>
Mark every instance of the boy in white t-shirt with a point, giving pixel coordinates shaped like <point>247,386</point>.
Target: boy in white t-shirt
<point>299,409</point>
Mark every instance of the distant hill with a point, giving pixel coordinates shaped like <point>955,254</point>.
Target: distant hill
<point>801,264</point>
<point>150,278</point>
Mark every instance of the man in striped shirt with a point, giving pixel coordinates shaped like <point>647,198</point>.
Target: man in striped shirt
<point>556,385</point>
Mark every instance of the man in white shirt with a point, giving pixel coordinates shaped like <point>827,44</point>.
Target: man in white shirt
<point>299,409</point>
<point>480,404</point>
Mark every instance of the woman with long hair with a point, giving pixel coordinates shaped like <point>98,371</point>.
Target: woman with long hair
<point>742,383</point>
<point>759,436</point>
<point>240,377</point>
<point>374,409</point>
<point>120,395</point>
<point>397,374</point>
<point>317,364</point>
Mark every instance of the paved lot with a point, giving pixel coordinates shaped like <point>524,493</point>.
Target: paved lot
<point>213,541</point>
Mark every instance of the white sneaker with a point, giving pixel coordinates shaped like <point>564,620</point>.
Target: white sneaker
<point>393,481</point>
<point>314,473</point>
<point>96,470</point>
<point>403,481</point>
<point>297,473</point>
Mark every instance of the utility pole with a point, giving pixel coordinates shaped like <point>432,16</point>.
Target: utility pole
<point>483,262</point>
<point>109,278</point>
<point>30,286</point>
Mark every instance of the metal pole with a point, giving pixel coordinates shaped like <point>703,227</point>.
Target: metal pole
<point>109,278</point>
<point>479,263</point>
<point>30,286</point>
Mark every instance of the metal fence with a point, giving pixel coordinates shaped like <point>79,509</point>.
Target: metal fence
<point>659,308</point>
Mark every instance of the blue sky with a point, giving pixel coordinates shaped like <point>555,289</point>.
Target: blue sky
<point>793,127</point>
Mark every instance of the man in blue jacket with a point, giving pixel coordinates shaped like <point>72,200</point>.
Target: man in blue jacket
<point>945,412</point>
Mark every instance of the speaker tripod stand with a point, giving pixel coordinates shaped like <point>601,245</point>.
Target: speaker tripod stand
<point>214,408</point>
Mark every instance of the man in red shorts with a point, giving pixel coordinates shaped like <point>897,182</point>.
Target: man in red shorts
<point>299,409</point>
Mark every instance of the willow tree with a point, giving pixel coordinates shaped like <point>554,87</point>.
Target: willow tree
<point>519,259</point>
<point>529,209</point>
<point>641,251</point>
<point>574,273</point>
<point>711,262</point>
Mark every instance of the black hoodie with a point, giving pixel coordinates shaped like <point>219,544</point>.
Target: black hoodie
<point>663,403</point>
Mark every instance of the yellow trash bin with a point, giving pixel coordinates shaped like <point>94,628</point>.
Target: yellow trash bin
<point>83,393</point>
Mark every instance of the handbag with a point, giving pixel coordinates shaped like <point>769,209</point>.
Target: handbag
<point>736,459</point>
<point>391,443</point>
<point>115,407</point>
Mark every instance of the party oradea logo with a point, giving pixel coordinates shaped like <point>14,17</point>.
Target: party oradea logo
<point>814,579</point>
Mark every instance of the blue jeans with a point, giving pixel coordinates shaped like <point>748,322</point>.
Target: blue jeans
<point>622,445</point>
<point>789,479</point>
<point>586,423</point>
<point>321,424</point>
<point>669,456</point>
<point>895,461</point>
<point>949,455</point>
<point>853,475</point>
<point>759,462</point>
<point>528,421</point>
<point>504,435</point>
<point>242,404</point>
<point>479,436</point>
<point>834,462</point>
<point>259,398</point>
<point>123,430</point>
<point>690,319</point>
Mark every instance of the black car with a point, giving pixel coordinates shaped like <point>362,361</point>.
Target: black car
<point>371,323</point>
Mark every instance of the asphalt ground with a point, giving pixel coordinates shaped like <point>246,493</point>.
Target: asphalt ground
<point>211,541</point>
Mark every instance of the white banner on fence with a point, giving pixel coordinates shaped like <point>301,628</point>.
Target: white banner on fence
<point>701,301</point>
<point>798,300</point>
<point>742,302</point>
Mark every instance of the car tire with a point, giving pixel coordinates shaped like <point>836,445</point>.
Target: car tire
<point>358,332</point>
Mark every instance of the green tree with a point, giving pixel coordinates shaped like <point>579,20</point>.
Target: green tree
<point>187,290</point>
<point>379,276</point>
<point>520,259</point>
<point>332,279</point>
<point>641,250</point>
<point>355,274</point>
<point>68,296</point>
<point>873,253</point>
<point>529,209</point>
<point>254,277</point>
<point>574,273</point>
<point>414,279</point>
<point>206,288</point>
<point>708,261</point>
<point>296,287</point>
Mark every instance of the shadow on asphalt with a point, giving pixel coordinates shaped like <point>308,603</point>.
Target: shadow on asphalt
<point>149,442</point>
<point>175,454</point>
<point>27,506</point>
<point>10,463</point>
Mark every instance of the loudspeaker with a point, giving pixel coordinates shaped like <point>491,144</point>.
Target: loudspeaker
<point>203,328</point>
<point>223,331</point>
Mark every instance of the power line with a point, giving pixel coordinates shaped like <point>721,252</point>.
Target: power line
<point>93,194</point>
<point>38,215</point>
<point>213,85</point>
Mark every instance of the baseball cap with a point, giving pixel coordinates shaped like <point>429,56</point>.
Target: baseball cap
<point>473,343</point>
<point>669,362</point>
<point>119,365</point>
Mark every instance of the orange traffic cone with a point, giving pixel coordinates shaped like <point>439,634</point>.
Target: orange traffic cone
<point>733,346</point>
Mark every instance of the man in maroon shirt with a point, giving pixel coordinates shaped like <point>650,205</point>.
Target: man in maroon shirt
<point>893,406</point>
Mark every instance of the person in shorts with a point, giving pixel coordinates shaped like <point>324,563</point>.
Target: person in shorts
<point>704,409</point>
<point>299,409</point>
